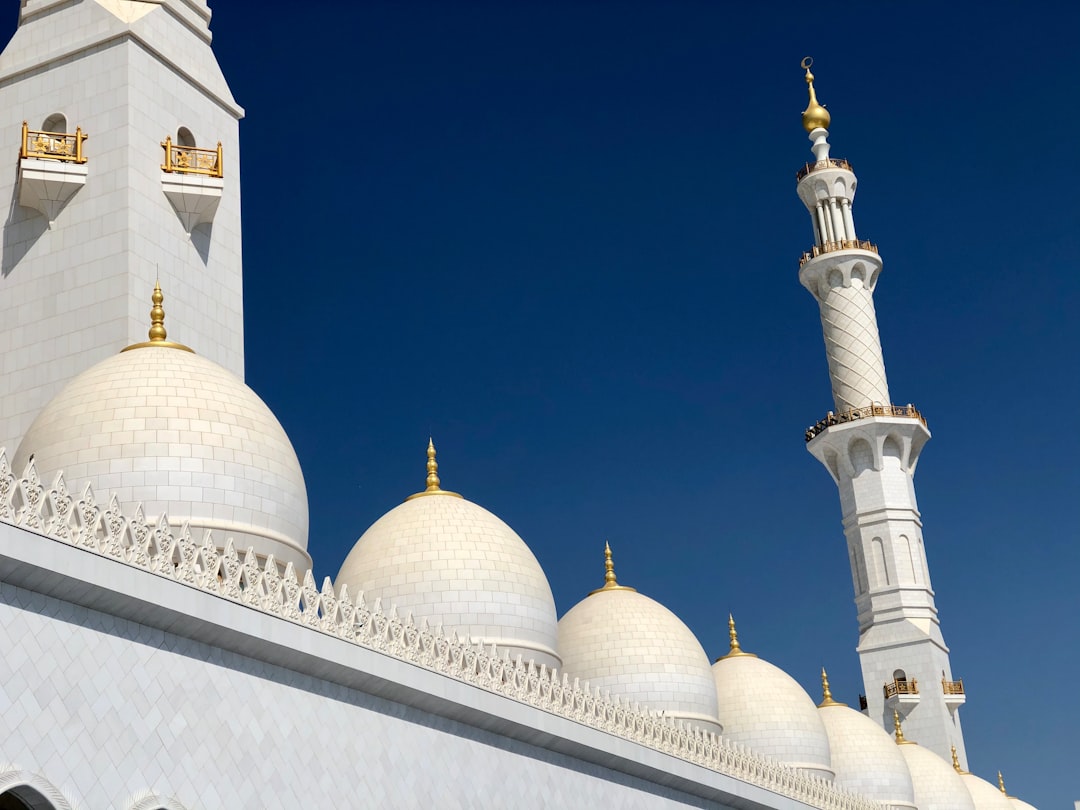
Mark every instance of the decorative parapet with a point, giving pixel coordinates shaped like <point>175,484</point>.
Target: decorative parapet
<point>41,145</point>
<point>192,159</point>
<point>818,165</point>
<point>906,411</point>
<point>106,530</point>
<point>952,687</point>
<point>897,688</point>
<point>830,247</point>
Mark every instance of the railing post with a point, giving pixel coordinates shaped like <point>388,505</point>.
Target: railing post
<point>220,167</point>
<point>79,138</point>
<point>25,136</point>
<point>167,146</point>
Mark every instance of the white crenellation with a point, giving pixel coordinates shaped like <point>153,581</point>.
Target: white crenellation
<point>200,565</point>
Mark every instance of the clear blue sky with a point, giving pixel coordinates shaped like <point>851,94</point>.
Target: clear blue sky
<point>563,239</point>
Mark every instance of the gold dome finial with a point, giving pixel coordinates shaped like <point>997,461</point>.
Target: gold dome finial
<point>610,582</point>
<point>1001,784</point>
<point>157,332</point>
<point>432,467</point>
<point>826,693</point>
<point>433,482</point>
<point>956,761</point>
<point>899,731</point>
<point>815,116</point>
<point>733,638</point>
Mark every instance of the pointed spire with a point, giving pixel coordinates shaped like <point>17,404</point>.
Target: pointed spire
<point>733,637</point>
<point>899,731</point>
<point>956,761</point>
<point>1001,785</point>
<point>157,332</point>
<point>610,582</point>
<point>826,693</point>
<point>815,116</point>
<point>433,483</point>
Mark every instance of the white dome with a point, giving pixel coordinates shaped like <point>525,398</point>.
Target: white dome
<point>1019,805</point>
<point>444,558</point>
<point>937,784</point>
<point>619,640</point>
<point>163,426</point>
<point>764,708</point>
<point>866,758</point>
<point>984,795</point>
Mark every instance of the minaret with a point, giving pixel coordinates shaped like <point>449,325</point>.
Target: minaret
<point>871,447</point>
<point>123,142</point>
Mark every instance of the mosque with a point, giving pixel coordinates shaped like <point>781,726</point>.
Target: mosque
<point>166,646</point>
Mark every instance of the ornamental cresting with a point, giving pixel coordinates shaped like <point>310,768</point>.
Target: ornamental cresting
<point>106,531</point>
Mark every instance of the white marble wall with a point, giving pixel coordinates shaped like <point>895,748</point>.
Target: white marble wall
<point>73,294</point>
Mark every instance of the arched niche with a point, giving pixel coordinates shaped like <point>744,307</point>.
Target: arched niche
<point>22,790</point>
<point>57,122</point>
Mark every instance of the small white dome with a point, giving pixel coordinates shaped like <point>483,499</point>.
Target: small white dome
<point>160,425</point>
<point>866,758</point>
<point>445,559</point>
<point>619,640</point>
<point>984,795</point>
<point>937,784</point>
<point>764,708</point>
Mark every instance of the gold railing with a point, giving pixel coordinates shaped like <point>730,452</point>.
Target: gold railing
<point>192,159</point>
<point>43,145</point>
<point>952,687</point>
<point>828,163</point>
<point>901,688</point>
<point>906,411</point>
<point>829,247</point>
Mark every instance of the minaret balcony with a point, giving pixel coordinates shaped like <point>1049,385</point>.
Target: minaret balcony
<point>831,247</point>
<point>903,411</point>
<point>818,165</point>
<point>902,696</point>
<point>52,167</point>
<point>954,693</point>
<point>192,180</point>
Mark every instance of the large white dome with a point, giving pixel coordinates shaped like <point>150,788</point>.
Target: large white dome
<point>865,757</point>
<point>160,425</point>
<point>937,784</point>
<point>764,708</point>
<point>443,558</point>
<point>619,640</point>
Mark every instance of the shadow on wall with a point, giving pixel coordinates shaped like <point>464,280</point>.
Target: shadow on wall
<point>201,236</point>
<point>24,226</point>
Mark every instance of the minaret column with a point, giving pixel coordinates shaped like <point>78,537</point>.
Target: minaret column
<point>871,448</point>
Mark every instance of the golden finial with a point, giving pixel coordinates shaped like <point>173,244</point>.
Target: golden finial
<point>733,636</point>
<point>1001,784</point>
<point>899,731</point>
<point>610,583</point>
<point>433,487</point>
<point>826,693</point>
<point>956,761</point>
<point>157,332</point>
<point>815,116</point>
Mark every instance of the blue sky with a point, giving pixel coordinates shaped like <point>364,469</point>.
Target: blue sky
<point>563,239</point>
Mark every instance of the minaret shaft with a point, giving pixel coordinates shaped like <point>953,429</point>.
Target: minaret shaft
<point>871,448</point>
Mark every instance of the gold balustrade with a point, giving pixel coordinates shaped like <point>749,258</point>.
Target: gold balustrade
<point>901,688</point>
<point>952,687</point>
<point>905,411</point>
<point>42,145</point>
<point>818,165</point>
<point>844,244</point>
<point>192,159</point>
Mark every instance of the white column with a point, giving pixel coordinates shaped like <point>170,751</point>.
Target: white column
<point>849,222</point>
